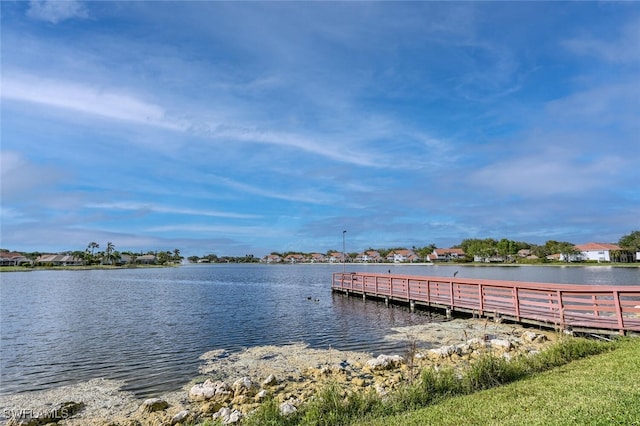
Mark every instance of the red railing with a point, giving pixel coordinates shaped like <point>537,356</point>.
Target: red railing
<point>563,305</point>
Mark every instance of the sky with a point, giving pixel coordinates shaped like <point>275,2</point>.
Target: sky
<point>236,128</point>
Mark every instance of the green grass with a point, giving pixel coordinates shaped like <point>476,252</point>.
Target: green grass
<point>599,390</point>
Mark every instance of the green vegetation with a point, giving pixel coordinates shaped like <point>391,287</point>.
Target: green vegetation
<point>599,390</point>
<point>475,395</point>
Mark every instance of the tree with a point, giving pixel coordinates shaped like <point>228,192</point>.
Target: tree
<point>164,257</point>
<point>33,257</point>
<point>630,242</point>
<point>482,248</point>
<point>93,245</point>
<point>568,251</point>
<point>176,255</point>
<point>108,255</point>
<point>425,251</point>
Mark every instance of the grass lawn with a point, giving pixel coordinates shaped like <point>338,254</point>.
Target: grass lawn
<point>598,390</point>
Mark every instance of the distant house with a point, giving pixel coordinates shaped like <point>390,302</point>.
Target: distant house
<point>317,258</point>
<point>146,259</point>
<point>447,254</point>
<point>402,256</point>
<point>59,260</point>
<point>488,259</point>
<point>272,258</point>
<point>370,256</point>
<point>336,256</point>
<point>294,258</point>
<point>12,259</point>
<point>603,252</point>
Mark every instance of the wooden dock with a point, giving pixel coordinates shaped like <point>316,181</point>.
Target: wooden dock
<point>580,308</point>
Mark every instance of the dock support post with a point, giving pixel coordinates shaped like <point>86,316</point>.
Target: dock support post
<point>386,301</point>
<point>449,313</point>
<point>364,296</point>
<point>412,306</point>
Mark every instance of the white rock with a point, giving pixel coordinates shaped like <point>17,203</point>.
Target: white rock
<point>384,362</point>
<point>179,417</point>
<point>207,390</point>
<point>445,351</point>
<point>242,385</point>
<point>500,343</point>
<point>287,408</point>
<point>271,380</point>
<point>234,417</point>
<point>152,405</point>
<point>228,416</point>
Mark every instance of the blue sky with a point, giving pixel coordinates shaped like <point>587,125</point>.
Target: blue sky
<point>235,128</point>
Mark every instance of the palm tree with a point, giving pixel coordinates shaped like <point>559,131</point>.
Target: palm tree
<point>109,252</point>
<point>93,245</point>
<point>176,255</point>
<point>79,255</point>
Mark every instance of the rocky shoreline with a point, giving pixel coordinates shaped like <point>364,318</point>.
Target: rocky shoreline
<point>232,385</point>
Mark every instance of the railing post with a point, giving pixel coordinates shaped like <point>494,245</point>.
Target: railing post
<point>517,301</point>
<point>616,298</point>
<point>560,308</point>
<point>408,291</point>
<point>451,292</point>
<point>480,300</point>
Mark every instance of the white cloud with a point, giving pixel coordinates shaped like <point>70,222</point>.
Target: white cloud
<point>625,48</point>
<point>56,11</point>
<point>548,174</point>
<point>155,208</point>
<point>85,99</point>
<point>19,175</point>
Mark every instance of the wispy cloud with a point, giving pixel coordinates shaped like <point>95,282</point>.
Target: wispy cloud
<point>84,99</point>
<point>623,46</point>
<point>156,208</point>
<point>548,174</point>
<point>56,11</point>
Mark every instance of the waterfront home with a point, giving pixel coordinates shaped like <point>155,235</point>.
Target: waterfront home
<point>12,259</point>
<point>447,254</point>
<point>294,258</point>
<point>603,252</point>
<point>369,256</point>
<point>317,258</point>
<point>59,260</point>
<point>401,256</point>
<point>271,258</point>
<point>336,257</point>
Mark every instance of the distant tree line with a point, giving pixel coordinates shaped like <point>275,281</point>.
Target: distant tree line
<point>505,249</point>
<point>486,248</point>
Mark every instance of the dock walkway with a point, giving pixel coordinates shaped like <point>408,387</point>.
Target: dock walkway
<point>582,308</point>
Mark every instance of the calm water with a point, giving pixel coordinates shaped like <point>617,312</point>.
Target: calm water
<point>149,326</point>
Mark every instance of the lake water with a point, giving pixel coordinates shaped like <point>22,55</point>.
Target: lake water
<point>149,327</point>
